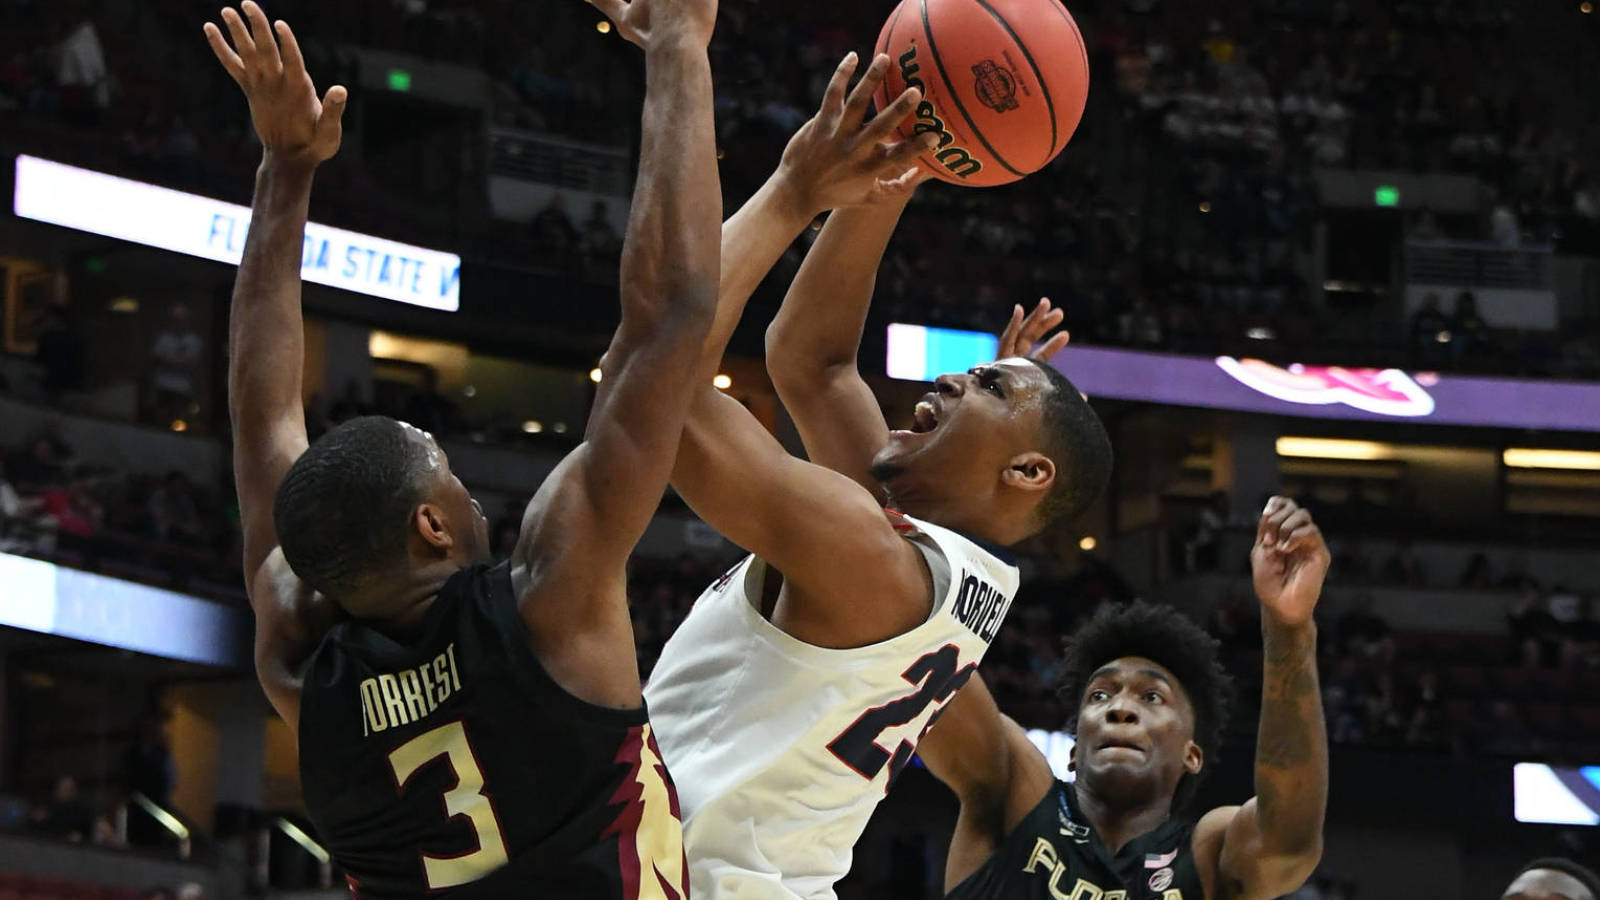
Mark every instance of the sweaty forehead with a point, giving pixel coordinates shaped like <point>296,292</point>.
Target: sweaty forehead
<point>1547,884</point>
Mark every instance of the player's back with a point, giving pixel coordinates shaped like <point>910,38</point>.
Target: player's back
<point>1053,852</point>
<point>783,749</point>
<point>452,762</point>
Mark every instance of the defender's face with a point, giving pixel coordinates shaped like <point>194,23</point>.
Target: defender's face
<point>968,428</point>
<point>1135,728</point>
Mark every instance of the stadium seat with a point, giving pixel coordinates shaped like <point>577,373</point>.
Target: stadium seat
<point>1548,719</point>
<point>1466,681</point>
<point>1514,682</point>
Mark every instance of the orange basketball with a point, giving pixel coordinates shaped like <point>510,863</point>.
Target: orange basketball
<point>1003,83</point>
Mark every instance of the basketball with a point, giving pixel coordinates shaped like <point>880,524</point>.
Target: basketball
<point>1003,83</point>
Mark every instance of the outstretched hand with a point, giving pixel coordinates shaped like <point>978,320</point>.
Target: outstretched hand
<point>1023,333</point>
<point>837,159</point>
<point>1288,562</point>
<point>294,126</point>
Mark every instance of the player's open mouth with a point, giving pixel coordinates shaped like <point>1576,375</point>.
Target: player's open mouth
<point>925,418</point>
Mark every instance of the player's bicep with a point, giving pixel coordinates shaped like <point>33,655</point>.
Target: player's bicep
<point>808,522</point>
<point>262,456</point>
<point>839,420</point>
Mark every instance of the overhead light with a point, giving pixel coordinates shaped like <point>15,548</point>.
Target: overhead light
<point>1332,448</point>
<point>180,425</point>
<point>1088,543</point>
<point>722,382</point>
<point>559,428</point>
<point>125,305</point>
<point>603,26</point>
<point>1260,334</point>
<point>595,374</point>
<point>1529,458</point>
<point>470,391</point>
<point>1205,207</point>
<point>1443,337</point>
<point>532,426</point>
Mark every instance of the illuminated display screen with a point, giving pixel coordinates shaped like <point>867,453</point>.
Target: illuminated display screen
<point>211,229</point>
<point>1253,385</point>
<point>50,599</point>
<point>1556,795</point>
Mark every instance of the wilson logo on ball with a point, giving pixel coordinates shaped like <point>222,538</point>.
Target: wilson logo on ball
<point>956,160</point>
<point>994,86</point>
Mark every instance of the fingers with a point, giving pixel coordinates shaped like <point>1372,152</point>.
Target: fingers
<point>855,109</point>
<point>261,33</point>
<point>1301,537</point>
<point>225,55</point>
<point>1008,338</point>
<point>333,104</point>
<point>242,43</point>
<point>1053,346</point>
<point>293,62</point>
<point>890,117</point>
<point>902,155</point>
<point>832,111</point>
<point>1266,531</point>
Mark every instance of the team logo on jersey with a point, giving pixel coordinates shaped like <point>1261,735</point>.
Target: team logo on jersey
<point>649,829</point>
<point>1386,392</point>
<point>995,87</point>
<point>1161,879</point>
<point>1159,860</point>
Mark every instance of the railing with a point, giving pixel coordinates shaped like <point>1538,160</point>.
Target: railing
<point>1472,264</point>
<point>161,816</point>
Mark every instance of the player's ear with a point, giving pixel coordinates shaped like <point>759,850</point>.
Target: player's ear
<point>1072,758</point>
<point>432,526</point>
<point>1030,471</point>
<point>1194,758</point>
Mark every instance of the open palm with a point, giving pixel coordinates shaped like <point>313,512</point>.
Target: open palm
<point>294,126</point>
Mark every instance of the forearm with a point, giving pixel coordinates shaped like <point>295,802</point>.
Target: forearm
<point>670,257</point>
<point>265,329</point>
<point>1292,747</point>
<point>822,319</point>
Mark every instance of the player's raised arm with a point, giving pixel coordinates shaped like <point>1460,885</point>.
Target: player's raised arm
<point>581,526</point>
<point>265,338</point>
<point>996,773</point>
<point>813,342</point>
<point>1269,846</point>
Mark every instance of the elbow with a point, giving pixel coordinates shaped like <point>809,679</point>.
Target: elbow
<point>686,308</point>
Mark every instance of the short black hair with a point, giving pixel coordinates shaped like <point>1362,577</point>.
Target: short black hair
<point>1079,446</point>
<point>1165,636</point>
<point>343,510</point>
<point>1565,866</point>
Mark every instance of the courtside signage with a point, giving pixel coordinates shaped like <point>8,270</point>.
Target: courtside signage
<point>41,596</point>
<point>1556,795</point>
<point>211,229</point>
<point>1252,385</point>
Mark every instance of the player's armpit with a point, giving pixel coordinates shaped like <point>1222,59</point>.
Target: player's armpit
<point>849,578</point>
<point>987,760</point>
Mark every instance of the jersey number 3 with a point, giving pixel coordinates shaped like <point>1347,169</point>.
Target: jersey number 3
<point>936,678</point>
<point>465,799</point>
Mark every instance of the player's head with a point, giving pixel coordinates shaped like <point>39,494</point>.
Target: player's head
<point>1004,450</point>
<point>1553,878</point>
<point>1149,698</point>
<point>368,503</point>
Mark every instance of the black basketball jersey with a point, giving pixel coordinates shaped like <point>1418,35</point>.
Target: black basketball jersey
<point>1055,853</point>
<point>452,763</point>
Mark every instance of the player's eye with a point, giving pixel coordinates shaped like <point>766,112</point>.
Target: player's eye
<point>1152,697</point>
<point>993,387</point>
<point>1098,696</point>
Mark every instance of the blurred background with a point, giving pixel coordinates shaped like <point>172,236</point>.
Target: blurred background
<point>1393,204</point>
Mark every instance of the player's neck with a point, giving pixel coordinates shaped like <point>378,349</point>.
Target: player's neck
<point>960,516</point>
<point>405,600</point>
<point>1119,821</point>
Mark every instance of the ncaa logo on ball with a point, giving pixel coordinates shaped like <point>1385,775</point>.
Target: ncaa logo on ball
<point>1161,880</point>
<point>994,86</point>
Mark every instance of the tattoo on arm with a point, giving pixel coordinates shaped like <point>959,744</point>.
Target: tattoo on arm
<point>1292,746</point>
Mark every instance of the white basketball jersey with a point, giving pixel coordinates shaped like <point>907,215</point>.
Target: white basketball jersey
<point>781,749</point>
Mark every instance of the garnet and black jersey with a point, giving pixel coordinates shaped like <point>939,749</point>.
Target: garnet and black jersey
<point>1055,853</point>
<point>453,764</point>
